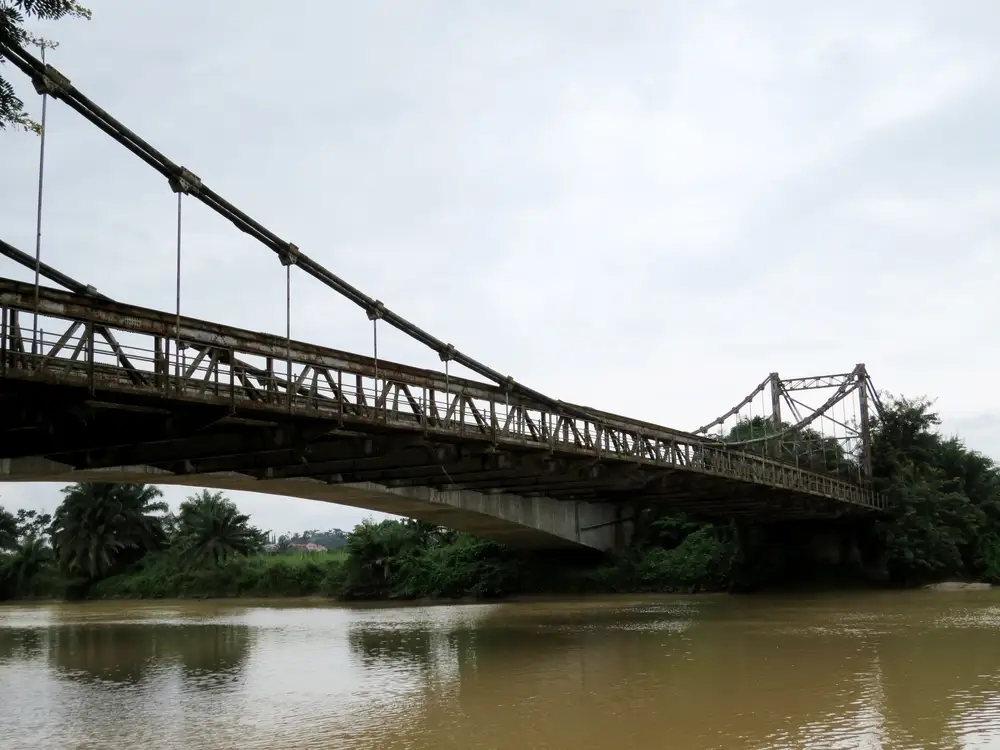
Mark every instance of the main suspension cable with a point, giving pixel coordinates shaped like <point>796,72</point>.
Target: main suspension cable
<point>47,80</point>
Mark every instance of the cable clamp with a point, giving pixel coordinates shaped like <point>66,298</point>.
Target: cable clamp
<point>376,311</point>
<point>290,255</point>
<point>185,181</point>
<point>51,82</point>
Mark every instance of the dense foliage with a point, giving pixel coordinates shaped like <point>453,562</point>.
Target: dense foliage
<point>943,521</point>
<point>13,15</point>
<point>101,532</point>
<point>944,500</point>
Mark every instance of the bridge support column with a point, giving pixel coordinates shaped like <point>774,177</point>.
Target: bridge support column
<point>602,526</point>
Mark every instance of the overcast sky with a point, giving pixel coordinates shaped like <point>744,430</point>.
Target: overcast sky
<point>641,206</point>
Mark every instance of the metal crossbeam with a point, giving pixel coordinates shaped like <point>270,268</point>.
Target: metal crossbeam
<point>816,381</point>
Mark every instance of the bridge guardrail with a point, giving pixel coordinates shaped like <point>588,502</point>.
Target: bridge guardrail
<point>106,345</point>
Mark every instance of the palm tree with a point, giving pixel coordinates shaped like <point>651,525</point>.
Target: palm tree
<point>100,528</point>
<point>23,566</point>
<point>376,550</point>
<point>211,529</point>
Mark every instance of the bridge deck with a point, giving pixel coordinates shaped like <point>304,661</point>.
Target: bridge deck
<point>109,388</point>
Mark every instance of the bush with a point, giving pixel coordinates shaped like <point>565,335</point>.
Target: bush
<point>164,576</point>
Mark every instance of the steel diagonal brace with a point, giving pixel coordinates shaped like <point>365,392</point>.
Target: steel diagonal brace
<point>135,375</point>
<point>263,375</point>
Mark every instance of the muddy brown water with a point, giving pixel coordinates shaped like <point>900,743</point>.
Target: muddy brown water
<point>875,670</point>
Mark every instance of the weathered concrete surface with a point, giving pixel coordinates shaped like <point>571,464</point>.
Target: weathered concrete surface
<point>525,522</point>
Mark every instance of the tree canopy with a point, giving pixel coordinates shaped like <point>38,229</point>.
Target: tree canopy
<point>210,529</point>
<point>944,499</point>
<point>8,529</point>
<point>13,16</point>
<point>100,528</point>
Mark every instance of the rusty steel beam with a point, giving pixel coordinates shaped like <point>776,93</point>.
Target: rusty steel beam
<point>349,393</point>
<point>52,274</point>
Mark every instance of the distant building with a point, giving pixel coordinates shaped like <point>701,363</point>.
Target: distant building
<point>308,547</point>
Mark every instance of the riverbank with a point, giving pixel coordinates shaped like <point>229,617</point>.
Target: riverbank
<point>397,560</point>
<point>437,567</point>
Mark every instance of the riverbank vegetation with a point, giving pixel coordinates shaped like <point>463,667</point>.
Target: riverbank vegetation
<point>121,540</point>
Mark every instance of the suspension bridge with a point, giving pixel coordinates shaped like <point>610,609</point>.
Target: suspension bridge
<point>95,389</point>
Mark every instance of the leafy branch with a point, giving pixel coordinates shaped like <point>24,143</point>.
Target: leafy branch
<point>13,15</point>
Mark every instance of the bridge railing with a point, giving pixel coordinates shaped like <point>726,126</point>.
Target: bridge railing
<point>107,346</point>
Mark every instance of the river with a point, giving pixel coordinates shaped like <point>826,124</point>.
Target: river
<point>889,670</point>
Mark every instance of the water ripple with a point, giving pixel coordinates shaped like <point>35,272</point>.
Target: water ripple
<point>749,673</point>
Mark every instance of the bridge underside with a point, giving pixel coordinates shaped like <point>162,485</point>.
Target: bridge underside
<point>525,497</point>
<point>526,523</point>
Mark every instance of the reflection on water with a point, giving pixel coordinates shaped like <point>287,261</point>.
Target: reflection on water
<point>132,652</point>
<point>919,669</point>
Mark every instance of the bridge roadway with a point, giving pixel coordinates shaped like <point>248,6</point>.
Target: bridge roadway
<point>108,396</point>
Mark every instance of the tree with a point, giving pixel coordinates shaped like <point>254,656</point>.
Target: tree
<point>21,568</point>
<point>32,525</point>
<point>26,524</point>
<point>944,500</point>
<point>13,15</point>
<point>99,529</point>
<point>8,530</point>
<point>379,553</point>
<point>210,529</point>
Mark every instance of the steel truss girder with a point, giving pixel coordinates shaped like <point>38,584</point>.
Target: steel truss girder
<point>264,377</point>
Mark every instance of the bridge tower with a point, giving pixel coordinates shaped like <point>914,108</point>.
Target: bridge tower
<point>823,421</point>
